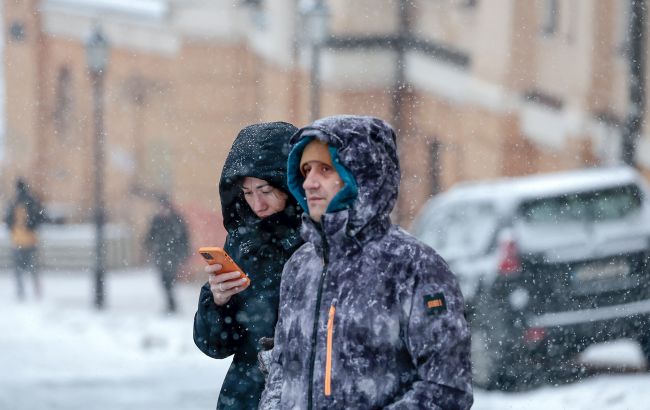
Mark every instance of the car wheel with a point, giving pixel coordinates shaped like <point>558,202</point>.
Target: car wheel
<point>485,359</point>
<point>644,342</point>
<point>499,361</point>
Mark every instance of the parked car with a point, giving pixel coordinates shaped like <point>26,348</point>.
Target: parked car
<point>548,264</point>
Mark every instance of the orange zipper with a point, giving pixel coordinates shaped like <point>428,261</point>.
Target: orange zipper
<point>328,360</point>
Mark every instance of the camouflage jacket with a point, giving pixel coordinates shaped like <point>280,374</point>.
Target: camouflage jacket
<point>369,316</point>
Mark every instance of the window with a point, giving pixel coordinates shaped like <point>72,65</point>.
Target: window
<point>460,229</point>
<point>596,206</point>
<point>435,166</point>
<point>468,4</point>
<point>258,13</point>
<point>573,21</point>
<point>17,32</point>
<point>63,102</point>
<point>623,27</point>
<point>159,172</point>
<point>550,17</point>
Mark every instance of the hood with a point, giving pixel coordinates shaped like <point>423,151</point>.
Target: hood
<point>366,148</point>
<point>259,151</point>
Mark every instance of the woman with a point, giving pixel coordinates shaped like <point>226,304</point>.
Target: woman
<point>262,221</point>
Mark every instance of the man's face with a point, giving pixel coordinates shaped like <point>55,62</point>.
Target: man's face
<point>321,184</point>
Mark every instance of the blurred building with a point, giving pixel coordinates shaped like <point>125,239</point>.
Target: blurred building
<point>476,89</point>
<point>179,86</point>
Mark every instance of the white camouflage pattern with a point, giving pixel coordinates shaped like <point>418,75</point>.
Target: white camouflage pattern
<point>389,350</point>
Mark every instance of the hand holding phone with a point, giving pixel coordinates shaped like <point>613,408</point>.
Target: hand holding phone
<point>226,281</point>
<point>214,255</point>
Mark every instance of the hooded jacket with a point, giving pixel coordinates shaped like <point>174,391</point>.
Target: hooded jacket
<point>168,240</point>
<point>260,247</point>
<point>23,228</point>
<point>369,316</point>
<point>35,212</point>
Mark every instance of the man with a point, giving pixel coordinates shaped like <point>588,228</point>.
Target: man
<point>168,244</point>
<point>369,317</point>
<point>24,215</point>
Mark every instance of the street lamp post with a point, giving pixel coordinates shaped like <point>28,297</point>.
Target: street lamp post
<point>400,91</point>
<point>97,49</point>
<point>637,86</point>
<point>315,15</point>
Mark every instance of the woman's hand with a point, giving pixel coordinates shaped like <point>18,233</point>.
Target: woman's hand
<point>224,285</point>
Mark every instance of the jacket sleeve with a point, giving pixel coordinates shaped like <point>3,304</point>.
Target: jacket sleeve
<point>438,340</point>
<point>273,389</point>
<point>216,330</point>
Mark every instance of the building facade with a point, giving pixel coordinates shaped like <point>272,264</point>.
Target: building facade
<point>475,89</point>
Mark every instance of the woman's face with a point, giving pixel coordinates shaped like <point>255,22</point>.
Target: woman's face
<point>264,199</point>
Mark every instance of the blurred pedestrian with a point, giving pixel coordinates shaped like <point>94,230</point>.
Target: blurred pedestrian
<point>24,215</point>
<point>262,221</point>
<point>369,317</point>
<point>167,243</point>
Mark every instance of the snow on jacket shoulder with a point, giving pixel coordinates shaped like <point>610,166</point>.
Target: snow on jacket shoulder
<point>369,316</point>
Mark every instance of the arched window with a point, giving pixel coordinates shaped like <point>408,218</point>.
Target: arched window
<point>435,165</point>
<point>63,102</point>
<point>550,17</point>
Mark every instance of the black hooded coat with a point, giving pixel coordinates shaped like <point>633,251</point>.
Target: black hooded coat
<point>35,211</point>
<point>260,247</point>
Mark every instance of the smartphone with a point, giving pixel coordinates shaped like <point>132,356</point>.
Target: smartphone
<point>214,255</point>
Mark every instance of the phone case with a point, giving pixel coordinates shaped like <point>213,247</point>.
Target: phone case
<point>214,255</point>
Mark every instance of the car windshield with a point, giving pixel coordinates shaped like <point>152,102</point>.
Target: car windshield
<point>594,206</point>
<point>461,229</point>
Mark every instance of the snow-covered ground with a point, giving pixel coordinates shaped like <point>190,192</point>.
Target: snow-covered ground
<point>59,353</point>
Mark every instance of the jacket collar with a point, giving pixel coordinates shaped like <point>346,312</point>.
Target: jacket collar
<point>341,239</point>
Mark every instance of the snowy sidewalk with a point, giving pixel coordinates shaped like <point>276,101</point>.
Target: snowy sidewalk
<point>59,353</point>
